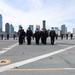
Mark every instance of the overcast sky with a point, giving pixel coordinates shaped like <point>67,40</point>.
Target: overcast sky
<point>32,12</point>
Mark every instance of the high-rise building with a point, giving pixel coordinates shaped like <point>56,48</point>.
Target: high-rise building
<point>73,30</point>
<point>0,23</point>
<point>31,27</point>
<point>56,30</point>
<point>63,30</point>
<point>44,23</point>
<point>38,26</point>
<point>11,28</point>
<point>7,26</point>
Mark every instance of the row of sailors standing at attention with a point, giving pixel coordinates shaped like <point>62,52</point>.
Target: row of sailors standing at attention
<point>43,35</point>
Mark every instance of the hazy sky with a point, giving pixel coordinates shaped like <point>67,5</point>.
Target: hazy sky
<point>32,12</point>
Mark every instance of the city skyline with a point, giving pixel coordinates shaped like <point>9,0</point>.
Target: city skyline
<point>33,12</point>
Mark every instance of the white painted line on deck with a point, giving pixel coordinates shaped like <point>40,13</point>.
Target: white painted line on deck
<point>3,51</point>
<point>21,63</point>
<point>69,68</point>
<point>7,49</point>
<point>41,69</point>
